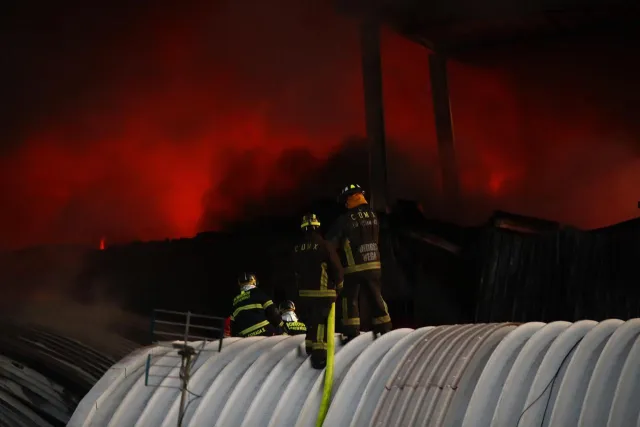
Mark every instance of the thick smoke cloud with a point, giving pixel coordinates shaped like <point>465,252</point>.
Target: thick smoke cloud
<point>297,179</point>
<point>126,124</point>
<point>554,136</point>
<point>39,287</point>
<point>154,121</point>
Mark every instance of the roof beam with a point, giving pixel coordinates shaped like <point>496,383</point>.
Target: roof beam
<point>374,112</point>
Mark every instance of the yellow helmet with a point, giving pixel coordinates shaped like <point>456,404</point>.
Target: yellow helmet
<point>349,190</point>
<point>247,279</point>
<point>309,220</point>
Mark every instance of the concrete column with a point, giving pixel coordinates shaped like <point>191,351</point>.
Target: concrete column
<point>374,113</point>
<point>444,133</point>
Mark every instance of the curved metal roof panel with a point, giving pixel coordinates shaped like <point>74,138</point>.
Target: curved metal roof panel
<point>61,357</point>
<point>14,413</point>
<point>483,375</point>
<point>43,375</point>
<point>30,386</point>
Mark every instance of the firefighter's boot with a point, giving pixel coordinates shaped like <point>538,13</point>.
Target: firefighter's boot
<point>317,363</point>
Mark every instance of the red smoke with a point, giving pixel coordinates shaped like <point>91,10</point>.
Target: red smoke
<point>170,121</point>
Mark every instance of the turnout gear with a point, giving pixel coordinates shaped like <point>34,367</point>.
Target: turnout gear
<point>319,278</point>
<point>254,313</point>
<point>309,221</point>
<point>292,326</point>
<point>356,235</point>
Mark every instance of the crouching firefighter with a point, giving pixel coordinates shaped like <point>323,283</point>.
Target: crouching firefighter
<point>319,277</point>
<point>355,234</point>
<point>254,314</point>
<point>292,326</point>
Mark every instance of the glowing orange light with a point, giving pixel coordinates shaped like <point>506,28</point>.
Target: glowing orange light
<point>102,245</point>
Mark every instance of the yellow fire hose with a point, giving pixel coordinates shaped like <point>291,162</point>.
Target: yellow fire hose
<point>328,372</point>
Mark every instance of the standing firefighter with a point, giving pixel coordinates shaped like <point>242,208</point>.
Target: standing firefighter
<point>319,276</point>
<point>292,326</point>
<point>254,314</point>
<point>356,233</point>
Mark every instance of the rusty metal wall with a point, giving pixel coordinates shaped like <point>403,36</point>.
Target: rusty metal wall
<point>565,274</point>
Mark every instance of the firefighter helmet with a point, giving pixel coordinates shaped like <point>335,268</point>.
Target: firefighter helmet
<point>309,220</point>
<point>287,306</point>
<point>247,279</point>
<point>349,190</point>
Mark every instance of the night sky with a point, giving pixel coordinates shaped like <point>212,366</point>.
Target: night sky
<point>147,120</point>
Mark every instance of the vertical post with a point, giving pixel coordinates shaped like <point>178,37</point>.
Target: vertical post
<point>185,354</point>
<point>374,112</point>
<point>186,328</point>
<point>184,383</point>
<point>444,133</point>
<point>185,373</point>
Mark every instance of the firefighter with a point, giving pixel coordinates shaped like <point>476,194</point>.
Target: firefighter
<point>355,235</point>
<point>319,277</point>
<point>254,314</point>
<point>292,326</point>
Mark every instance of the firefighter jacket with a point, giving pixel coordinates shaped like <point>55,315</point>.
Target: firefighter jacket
<point>294,328</point>
<point>253,312</point>
<point>355,234</point>
<point>292,325</point>
<point>317,267</point>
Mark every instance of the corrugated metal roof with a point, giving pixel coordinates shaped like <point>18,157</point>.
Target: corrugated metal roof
<point>13,413</point>
<point>43,375</point>
<point>557,374</point>
<point>29,395</point>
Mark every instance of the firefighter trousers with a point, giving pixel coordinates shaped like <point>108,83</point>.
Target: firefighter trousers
<point>316,310</point>
<point>348,310</point>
